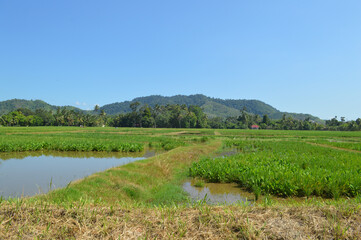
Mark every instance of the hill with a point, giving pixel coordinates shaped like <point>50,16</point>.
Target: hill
<point>13,104</point>
<point>213,107</point>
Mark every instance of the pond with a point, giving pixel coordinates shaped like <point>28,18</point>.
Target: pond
<point>23,175</point>
<point>218,193</point>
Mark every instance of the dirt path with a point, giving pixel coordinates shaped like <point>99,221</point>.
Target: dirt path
<point>178,133</point>
<point>175,133</point>
<point>333,147</point>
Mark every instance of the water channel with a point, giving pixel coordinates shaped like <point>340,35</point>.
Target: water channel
<point>24,175</point>
<point>218,193</point>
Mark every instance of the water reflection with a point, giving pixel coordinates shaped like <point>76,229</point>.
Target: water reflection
<point>229,152</point>
<point>218,193</point>
<point>32,175</point>
<point>75,154</point>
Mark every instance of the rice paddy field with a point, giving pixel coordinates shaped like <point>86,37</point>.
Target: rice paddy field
<point>303,185</point>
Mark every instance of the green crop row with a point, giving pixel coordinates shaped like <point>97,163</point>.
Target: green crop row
<point>86,139</point>
<point>70,146</point>
<point>167,143</point>
<point>286,169</point>
<point>246,146</point>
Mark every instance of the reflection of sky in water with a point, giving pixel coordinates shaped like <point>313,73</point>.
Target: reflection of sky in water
<point>22,155</point>
<point>33,175</point>
<point>215,193</point>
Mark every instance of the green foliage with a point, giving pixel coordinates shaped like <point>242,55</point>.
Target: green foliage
<point>32,105</point>
<point>194,111</point>
<point>285,168</point>
<point>132,192</point>
<point>199,183</point>
<point>67,139</point>
<point>62,117</point>
<point>212,107</point>
<point>90,139</point>
<point>69,145</point>
<point>168,193</point>
<point>169,144</point>
<point>174,116</point>
<point>246,146</point>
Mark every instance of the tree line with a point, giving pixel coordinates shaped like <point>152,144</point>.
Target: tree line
<point>167,116</point>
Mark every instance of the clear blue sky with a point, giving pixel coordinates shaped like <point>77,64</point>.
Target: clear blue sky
<point>298,56</point>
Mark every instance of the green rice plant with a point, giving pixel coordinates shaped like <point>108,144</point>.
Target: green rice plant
<point>199,183</point>
<point>169,144</point>
<point>285,168</point>
<point>70,145</point>
<point>246,145</point>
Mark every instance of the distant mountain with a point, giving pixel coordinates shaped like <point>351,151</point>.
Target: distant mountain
<point>213,107</point>
<point>13,104</point>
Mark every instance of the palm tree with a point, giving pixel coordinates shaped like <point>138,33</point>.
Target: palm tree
<point>2,122</point>
<point>96,108</point>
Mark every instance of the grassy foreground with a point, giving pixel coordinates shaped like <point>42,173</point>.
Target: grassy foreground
<point>144,200</point>
<point>24,220</point>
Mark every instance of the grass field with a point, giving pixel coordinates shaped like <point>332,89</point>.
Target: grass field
<point>307,184</point>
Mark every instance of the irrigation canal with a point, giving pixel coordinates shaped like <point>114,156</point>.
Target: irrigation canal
<point>33,175</point>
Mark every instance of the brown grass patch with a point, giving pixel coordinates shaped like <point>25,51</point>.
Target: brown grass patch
<point>42,221</point>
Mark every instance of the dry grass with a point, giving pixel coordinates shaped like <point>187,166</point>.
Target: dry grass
<point>43,221</point>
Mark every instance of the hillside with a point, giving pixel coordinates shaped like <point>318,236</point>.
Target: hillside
<point>213,107</point>
<point>13,104</point>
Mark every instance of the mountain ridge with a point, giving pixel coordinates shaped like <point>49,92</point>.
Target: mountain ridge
<point>213,107</point>
<point>13,104</point>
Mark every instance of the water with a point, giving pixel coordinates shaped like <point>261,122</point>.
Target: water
<point>218,193</point>
<point>31,175</point>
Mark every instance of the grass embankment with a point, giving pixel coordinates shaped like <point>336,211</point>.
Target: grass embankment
<point>147,181</point>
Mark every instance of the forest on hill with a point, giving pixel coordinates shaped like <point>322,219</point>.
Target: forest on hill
<point>169,116</point>
<point>213,107</point>
<point>14,104</point>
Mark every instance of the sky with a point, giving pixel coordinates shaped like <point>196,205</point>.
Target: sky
<point>297,56</point>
